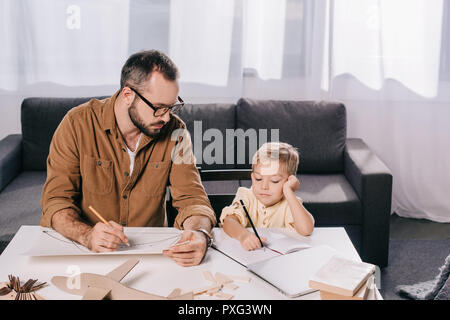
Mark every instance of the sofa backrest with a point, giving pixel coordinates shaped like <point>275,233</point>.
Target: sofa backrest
<point>40,117</point>
<point>316,128</point>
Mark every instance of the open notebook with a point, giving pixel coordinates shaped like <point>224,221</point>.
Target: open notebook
<point>291,273</point>
<point>289,270</point>
<point>277,244</point>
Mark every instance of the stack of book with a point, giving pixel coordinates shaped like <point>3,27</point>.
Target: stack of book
<point>343,279</point>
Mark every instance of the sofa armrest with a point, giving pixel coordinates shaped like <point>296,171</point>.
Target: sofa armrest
<point>372,181</point>
<point>10,158</point>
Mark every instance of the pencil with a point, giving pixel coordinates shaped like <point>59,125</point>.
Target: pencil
<point>103,220</point>
<point>180,244</point>
<point>251,222</point>
<point>99,216</point>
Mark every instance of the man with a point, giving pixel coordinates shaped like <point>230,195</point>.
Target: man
<point>116,155</point>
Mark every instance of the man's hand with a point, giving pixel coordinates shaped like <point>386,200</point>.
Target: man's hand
<point>189,250</point>
<point>104,238</point>
<point>249,241</point>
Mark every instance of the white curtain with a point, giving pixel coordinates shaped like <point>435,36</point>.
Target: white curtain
<point>81,43</point>
<point>387,60</point>
<point>264,26</point>
<point>385,63</point>
<point>9,63</point>
<point>200,39</point>
<point>375,40</point>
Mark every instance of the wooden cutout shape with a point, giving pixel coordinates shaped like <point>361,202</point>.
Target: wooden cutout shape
<point>94,293</point>
<point>9,296</point>
<point>205,289</point>
<point>242,279</point>
<point>208,276</point>
<point>222,279</point>
<point>231,286</point>
<point>175,293</point>
<point>224,296</point>
<point>97,287</point>
<point>13,295</point>
<point>213,290</point>
<point>38,297</point>
<point>121,271</point>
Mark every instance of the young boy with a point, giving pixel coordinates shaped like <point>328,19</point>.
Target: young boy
<point>271,201</point>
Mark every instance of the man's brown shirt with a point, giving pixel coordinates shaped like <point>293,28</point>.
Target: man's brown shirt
<point>88,164</point>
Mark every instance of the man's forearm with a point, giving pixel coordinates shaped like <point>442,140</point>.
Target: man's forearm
<point>68,223</point>
<point>197,222</point>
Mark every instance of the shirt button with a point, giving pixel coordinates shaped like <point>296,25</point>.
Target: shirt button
<point>124,224</point>
<point>124,196</point>
<point>99,163</point>
<point>126,174</point>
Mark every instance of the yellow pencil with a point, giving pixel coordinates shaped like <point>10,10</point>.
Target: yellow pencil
<point>99,216</point>
<point>103,219</point>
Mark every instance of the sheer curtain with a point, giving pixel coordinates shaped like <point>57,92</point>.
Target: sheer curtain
<point>205,43</point>
<point>376,40</point>
<point>81,44</point>
<point>386,64</point>
<point>387,60</point>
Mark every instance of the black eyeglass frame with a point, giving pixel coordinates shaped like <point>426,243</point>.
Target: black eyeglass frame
<point>173,108</point>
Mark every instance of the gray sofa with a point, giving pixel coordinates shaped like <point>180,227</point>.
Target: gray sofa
<point>343,183</point>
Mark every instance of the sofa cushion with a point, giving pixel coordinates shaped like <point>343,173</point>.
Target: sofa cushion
<point>329,198</point>
<point>40,118</point>
<point>20,203</point>
<point>316,129</point>
<point>208,133</point>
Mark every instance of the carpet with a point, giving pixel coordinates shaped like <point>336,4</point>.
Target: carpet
<point>437,289</point>
<point>412,262</point>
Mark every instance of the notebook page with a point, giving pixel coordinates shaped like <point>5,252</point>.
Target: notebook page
<point>233,249</point>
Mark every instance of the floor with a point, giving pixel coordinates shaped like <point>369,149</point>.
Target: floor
<point>418,229</point>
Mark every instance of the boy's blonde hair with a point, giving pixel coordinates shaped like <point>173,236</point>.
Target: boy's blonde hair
<point>287,156</point>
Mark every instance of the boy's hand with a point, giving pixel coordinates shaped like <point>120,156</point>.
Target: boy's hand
<point>292,183</point>
<point>250,241</point>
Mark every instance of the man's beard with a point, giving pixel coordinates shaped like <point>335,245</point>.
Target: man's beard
<point>138,123</point>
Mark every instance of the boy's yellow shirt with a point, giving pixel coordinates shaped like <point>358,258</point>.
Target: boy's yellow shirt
<point>276,216</point>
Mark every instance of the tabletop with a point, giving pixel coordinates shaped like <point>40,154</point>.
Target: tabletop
<point>155,273</point>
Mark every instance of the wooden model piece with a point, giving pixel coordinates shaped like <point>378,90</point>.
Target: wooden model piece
<point>98,287</point>
<point>220,281</point>
<point>13,290</point>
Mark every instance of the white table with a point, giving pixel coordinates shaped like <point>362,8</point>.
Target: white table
<point>154,273</point>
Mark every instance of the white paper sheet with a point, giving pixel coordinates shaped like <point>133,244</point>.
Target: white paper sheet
<point>142,241</point>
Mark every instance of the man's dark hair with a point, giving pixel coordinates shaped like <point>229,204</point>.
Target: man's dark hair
<point>141,64</point>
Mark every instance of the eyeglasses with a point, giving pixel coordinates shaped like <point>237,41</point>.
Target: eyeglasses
<point>158,112</point>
